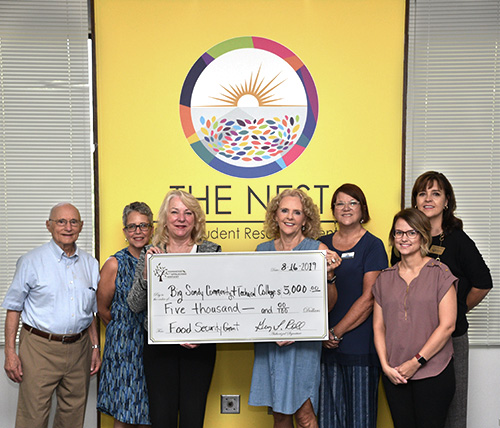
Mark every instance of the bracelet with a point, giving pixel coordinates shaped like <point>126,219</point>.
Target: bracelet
<point>338,339</point>
<point>331,281</point>
<point>96,346</point>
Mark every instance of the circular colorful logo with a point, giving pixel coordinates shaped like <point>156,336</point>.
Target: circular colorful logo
<point>249,107</point>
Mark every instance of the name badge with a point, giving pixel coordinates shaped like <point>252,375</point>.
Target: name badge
<point>437,249</point>
<point>348,255</point>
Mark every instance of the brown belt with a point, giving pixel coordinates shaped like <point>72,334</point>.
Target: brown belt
<point>64,338</point>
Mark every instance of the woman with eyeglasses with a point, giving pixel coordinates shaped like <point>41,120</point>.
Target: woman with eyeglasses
<point>122,387</point>
<point>178,376</point>
<point>413,318</point>
<point>433,195</point>
<point>350,369</point>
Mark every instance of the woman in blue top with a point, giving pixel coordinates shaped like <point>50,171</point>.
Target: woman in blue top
<point>122,387</point>
<point>349,365</point>
<point>286,374</point>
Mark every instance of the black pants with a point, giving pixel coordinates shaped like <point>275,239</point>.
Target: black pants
<point>178,381</point>
<point>421,403</point>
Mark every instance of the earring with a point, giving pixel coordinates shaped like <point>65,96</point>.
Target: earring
<point>361,221</point>
<point>446,207</point>
<point>303,228</point>
<point>416,207</point>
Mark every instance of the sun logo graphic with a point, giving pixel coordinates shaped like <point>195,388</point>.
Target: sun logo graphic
<point>249,107</point>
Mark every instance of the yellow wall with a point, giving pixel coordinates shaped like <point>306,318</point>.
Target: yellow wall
<point>354,50</point>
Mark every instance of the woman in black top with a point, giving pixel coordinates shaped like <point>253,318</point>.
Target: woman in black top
<point>433,195</point>
<point>178,377</point>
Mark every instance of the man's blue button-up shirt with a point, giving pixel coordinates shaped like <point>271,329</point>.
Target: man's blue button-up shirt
<point>54,293</point>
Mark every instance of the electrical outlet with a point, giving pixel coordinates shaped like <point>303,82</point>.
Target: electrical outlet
<point>230,404</point>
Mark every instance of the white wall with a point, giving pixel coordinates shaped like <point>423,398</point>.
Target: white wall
<point>484,392</point>
<point>484,387</point>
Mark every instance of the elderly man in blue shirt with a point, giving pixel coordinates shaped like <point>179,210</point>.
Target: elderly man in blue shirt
<point>54,293</point>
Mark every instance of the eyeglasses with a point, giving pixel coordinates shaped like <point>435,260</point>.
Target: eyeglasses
<point>410,234</point>
<point>63,222</point>
<point>133,227</point>
<point>351,204</point>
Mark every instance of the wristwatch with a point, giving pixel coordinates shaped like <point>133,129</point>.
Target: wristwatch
<point>421,360</point>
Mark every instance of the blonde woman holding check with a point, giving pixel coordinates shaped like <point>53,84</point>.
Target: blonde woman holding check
<point>286,375</point>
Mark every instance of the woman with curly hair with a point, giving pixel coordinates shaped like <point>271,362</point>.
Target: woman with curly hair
<point>177,376</point>
<point>286,374</point>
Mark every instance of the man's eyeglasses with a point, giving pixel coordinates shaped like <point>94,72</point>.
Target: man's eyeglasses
<point>63,222</point>
<point>410,234</point>
<point>143,227</point>
<point>351,204</point>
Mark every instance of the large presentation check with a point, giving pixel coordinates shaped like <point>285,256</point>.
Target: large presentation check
<point>237,297</point>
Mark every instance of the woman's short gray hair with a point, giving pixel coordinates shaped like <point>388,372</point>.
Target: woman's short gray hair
<point>141,208</point>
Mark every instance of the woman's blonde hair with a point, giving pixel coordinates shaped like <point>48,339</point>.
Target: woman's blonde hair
<point>161,236</point>
<point>312,228</point>
<point>418,221</point>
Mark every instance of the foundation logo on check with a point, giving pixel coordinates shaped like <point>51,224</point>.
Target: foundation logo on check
<point>249,107</point>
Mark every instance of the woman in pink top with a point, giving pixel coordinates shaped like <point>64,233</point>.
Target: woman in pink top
<point>413,318</point>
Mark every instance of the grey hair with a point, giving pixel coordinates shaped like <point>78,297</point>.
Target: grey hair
<point>141,208</point>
